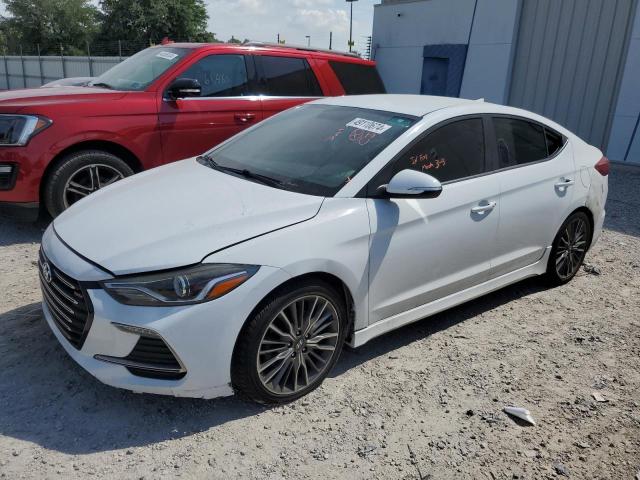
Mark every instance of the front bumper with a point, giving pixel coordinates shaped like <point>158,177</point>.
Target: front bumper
<point>202,336</point>
<point>30,162</point>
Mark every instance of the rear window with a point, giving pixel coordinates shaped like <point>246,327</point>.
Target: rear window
<point>289,77</point>
<point>358,79</point>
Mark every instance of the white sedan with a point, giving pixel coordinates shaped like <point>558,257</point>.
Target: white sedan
<point>247,269</point>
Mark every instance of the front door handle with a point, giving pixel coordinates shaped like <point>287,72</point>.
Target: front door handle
<point>566,182</point>
<point>244,118</point>
<point>484,208</point>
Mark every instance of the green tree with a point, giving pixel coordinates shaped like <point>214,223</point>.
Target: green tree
<point>237,41</point>
<point>49,24</point>
<point>149,21</point>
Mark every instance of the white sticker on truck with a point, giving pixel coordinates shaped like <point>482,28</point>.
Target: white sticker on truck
<point>166,55</point>
<point>369,125</point>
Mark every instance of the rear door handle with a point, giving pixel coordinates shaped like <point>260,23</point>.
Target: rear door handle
<point>484,208</point>
<point>566,182</point>
<point>245,117</point>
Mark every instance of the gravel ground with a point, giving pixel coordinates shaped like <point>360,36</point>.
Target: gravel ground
<point>422,402</point>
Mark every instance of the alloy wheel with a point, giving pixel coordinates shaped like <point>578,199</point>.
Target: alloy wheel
<point>87,180</point>
<point>298,345</point>
<point>571,248</point>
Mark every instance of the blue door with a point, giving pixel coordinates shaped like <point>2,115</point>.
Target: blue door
<point>434,76</point>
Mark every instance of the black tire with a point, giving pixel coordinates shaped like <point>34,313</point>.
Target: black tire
<point>566,259</point>
<point>246,379</point>
<point>57,198</point>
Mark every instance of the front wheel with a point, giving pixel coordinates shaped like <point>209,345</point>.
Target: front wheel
<point>288,347</point>
<point>80,174</point>
<point>569,249</point>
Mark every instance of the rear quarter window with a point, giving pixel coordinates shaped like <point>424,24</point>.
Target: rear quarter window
<point>555,141</point>
<point>358,79</point>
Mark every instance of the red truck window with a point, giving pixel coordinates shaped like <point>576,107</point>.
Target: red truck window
<point>288,77</point>
<point>220,75</point>
<point>358,79</point>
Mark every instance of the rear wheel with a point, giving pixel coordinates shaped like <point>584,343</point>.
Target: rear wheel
<point>79,174</point>
<point>288,348</point>
<point>569,249</point>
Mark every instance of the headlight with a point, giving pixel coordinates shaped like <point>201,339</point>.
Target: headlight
<point>17,130</point>
<point>180,287</point>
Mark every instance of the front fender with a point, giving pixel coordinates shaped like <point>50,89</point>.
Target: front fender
<point>336,241</point>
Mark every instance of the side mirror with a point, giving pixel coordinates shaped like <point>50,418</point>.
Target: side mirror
<point>413,184</point>
<point>184,87</point>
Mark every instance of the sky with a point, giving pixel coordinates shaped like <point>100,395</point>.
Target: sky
<point>262,20</point>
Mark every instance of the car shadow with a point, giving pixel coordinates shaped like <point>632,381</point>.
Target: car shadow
<point>51,401</point>
<point>426,327</point>
<point>623,202</point>
<point>13,232</point>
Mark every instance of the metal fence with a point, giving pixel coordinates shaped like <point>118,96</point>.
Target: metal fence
<point>32,71</point>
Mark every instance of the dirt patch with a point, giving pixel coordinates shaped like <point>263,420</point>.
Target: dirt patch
<point>422,402</point>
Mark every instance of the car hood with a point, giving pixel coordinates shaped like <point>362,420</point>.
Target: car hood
<point>35,97</point>
<point>175,216</point>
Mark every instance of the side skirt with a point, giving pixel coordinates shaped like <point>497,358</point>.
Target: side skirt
<point>372,331</point>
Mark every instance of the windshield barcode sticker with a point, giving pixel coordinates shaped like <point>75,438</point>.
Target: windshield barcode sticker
<point>369,125</point>
<point>166,55</point>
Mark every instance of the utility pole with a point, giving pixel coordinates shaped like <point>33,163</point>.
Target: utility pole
<point>278,39</point>
<point>351,24</point>
<point>330,40</point>
<point>308,37</point>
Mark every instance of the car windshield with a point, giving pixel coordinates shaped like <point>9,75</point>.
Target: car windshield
<point>311,149</point>
<point>140,70</point>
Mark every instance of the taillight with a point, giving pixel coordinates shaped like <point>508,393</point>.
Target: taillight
<point>603,166</point>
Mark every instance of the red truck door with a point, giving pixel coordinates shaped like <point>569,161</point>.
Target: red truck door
<point>191,126</point>
<point>284,82</point>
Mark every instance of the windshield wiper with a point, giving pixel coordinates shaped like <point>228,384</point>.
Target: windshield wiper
<point>246,173</point>
<point>102,85</point>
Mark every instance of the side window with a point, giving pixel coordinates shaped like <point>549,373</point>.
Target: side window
<point>289,77</point>
<point>451,152</point>
<point>358,79</point>
<point>220,75</point>
<point>519,141</point>
<point>555,141</point>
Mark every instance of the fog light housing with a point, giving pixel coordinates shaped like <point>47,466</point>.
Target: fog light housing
<point>8,174</point>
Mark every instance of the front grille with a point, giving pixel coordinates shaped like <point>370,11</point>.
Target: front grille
<point>152,358</point>
<point>66,300</point>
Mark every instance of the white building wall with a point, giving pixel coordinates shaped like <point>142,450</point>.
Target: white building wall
<point>402,29</point>
<point>488,69</point>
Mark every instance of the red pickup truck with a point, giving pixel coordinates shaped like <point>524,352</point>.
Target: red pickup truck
<point>166,103</point>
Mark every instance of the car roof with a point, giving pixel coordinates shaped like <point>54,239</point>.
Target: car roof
<point>268,47</point>
<point>414,105</point>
